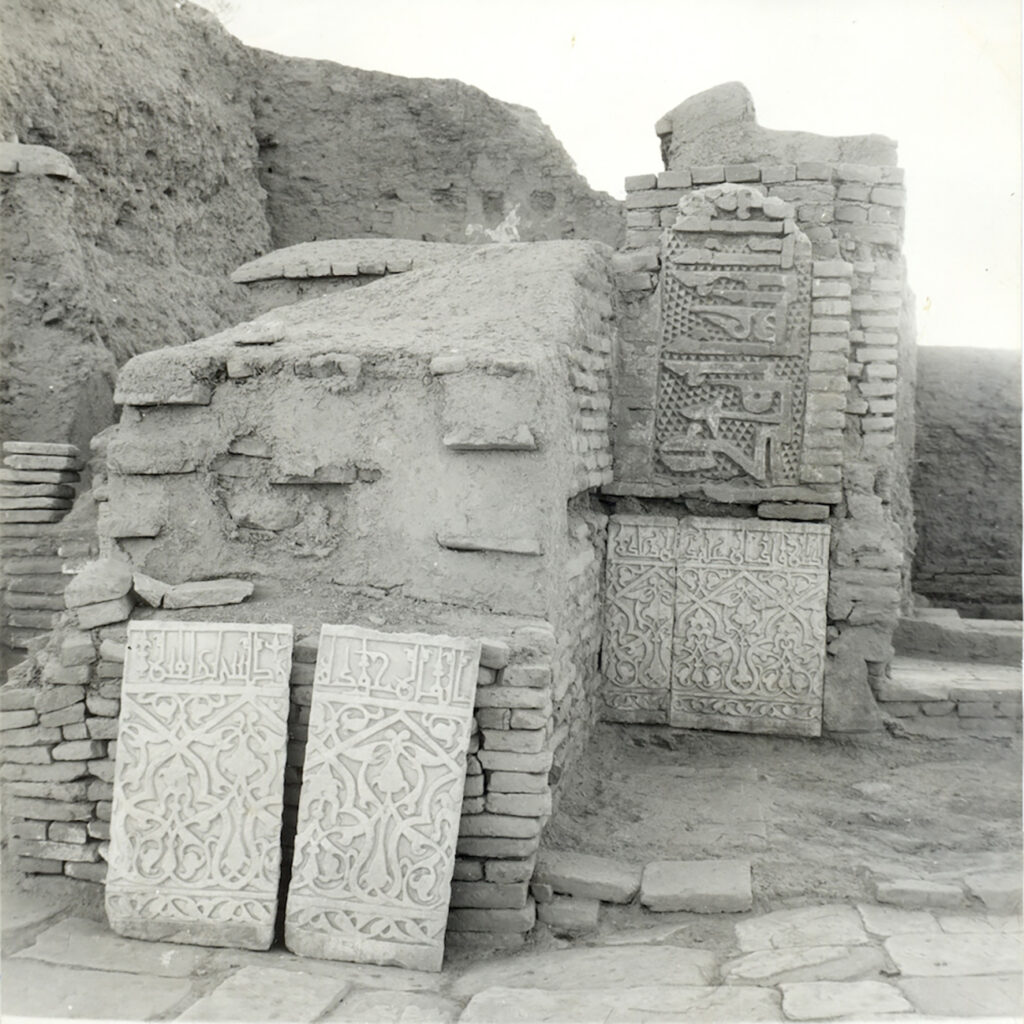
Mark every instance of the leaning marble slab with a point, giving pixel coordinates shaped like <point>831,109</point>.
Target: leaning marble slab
<point>381,797</point>
<point>195,831</point>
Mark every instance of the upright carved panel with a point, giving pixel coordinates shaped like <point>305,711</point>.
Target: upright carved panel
<point>749,647</point>
<point>639,615</point>
<point>735,340</point>
<point>381,797</point>
<point>196,822</point>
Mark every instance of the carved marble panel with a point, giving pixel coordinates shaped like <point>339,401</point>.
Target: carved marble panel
<point>732,379</point>
<point>748,654</point>
<point>196,822</point>
<point>639,617</point>
<point>381,797</point>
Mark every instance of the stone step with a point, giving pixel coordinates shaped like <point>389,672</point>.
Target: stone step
<point>940,634</point>
<point>929,679</point>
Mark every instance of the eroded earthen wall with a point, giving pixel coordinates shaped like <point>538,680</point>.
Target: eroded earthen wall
<point>967,481</point>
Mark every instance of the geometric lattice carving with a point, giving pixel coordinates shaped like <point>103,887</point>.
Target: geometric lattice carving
<point>639,618</point>
<point>735,341</point>
<point>198,790</point>
<point>716,623</point>
<point>381,797</point>
<point>748,653</point>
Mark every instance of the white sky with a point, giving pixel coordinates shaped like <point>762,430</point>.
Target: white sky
<point>942,77</point>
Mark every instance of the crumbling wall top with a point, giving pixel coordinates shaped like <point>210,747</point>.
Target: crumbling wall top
<point>719,126</point>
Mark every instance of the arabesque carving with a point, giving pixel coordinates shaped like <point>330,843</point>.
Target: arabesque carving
<point>735,339</point>
<point>198,789</point>
<point>716,623</point>
<point>639,614</point>
<point>381,797</point>
<point>748,653</point>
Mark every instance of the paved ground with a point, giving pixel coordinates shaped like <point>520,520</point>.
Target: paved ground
<point>838,961</point>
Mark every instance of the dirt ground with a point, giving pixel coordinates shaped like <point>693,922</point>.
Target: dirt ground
<point>819,819</point>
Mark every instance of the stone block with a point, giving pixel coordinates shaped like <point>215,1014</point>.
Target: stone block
<point>66,716</point>
<point>103,580</point>
<point>399,820</point>
<point>703,887</point>
<point>503,872</point>
<point>17,719</point>
<point>497,920</point>
<point>640,182</point>
<point>205,593</point>
<point>188,690</point>
<point>497,847</point>
<point>524,741</point>
<point>511,895</point>
<point>518,782</point>
<point>499,825</point>
<point>918,893</point>
<point>50,810</point>
<point>103,614</point>
<point>587,876</point>
<point>569,914</point>
<point>528,805</point>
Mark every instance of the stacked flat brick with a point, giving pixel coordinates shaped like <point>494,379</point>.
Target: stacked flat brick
<point>37,488</point>
<point>60,743</point>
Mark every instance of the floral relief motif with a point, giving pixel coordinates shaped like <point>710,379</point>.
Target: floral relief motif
<point>719,624</point>
<point>381,797</point>
<point>198,794</point>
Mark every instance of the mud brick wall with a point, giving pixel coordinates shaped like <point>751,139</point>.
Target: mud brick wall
<point>852,215</point>
<point>967,481</point>
<point>362,468</point>
<point>577,675</point>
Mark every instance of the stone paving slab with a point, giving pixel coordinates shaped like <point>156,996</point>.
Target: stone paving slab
<point>592,968</point>
<point>831,925</point>
<point>640,1005</point>
<point>77,942</point>
<point>33,989</point>
<point>394,1008</point>
<point>942,955</point>
<point>265,994</point>
<point>25,910</point>
<point>826,1000</point>
<point>993,995</point>
<point>1000,891</point>
<point>965,924</point>
<point>896,921</point>
<point>805,963</point>
<point>368,976</point>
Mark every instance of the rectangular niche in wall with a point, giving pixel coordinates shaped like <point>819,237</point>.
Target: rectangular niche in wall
<point>746,647</point>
